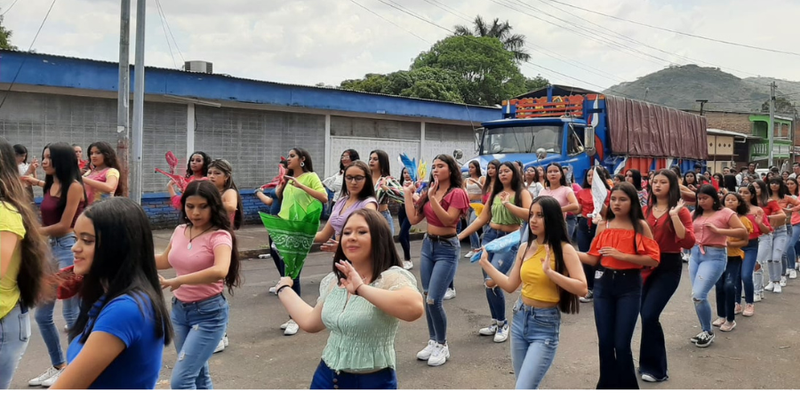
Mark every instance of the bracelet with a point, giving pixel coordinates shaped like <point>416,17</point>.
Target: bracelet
<point>281,288</point>
<point>359,287</point>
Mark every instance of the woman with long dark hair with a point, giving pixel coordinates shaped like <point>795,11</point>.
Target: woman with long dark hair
<point>634,177</point>
<point>623,246</point>
<point>103,179</point>
<point>64,200</point>
<point>119,338</point>
<point>361,302</point>
<point>356,194</point>
<point>23,265</point>
<point>585,229</point>
<point>780,236</point>
<point>204,255</point>
<point>442,205</point>
<point>220,173</point>
<point>549,271</point>
<point>386,187</point>
<point>301,188</point>
<point>760,228</point>
<point>196,168</point>
<point>671,225</point>
<point>491,176</point>
<point>776,219</point>
<point>532,181</point>
<point>556,186</point>
<point>405,225</point>
<point>474,185</point>
<point>713,224</point>
<point>502,214</point>
<point>26,169</point>
<point>336,182</point>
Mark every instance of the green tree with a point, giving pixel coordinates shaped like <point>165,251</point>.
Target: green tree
<point>5,37</point>
<point>532,84</point>
<point>500,30</point>
<point>423,83</point>
<point>489,71</point>
<point>782,106</point>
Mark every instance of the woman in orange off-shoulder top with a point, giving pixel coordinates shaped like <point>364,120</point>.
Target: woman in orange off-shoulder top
<point>623,246</point>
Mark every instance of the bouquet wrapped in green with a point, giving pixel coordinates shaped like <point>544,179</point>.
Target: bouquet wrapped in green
<point>293,237</point>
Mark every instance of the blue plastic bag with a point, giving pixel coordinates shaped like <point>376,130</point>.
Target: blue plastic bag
<point>500,245</point>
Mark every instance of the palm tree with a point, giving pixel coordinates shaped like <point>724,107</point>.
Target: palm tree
<point>514,43</point>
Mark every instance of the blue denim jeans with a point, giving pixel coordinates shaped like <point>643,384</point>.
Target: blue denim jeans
<point>704,272</point>
<point>725,288</point>
<point>779,239</point>
<point>617,301</point>
<point>62,252</point>
<point>656,293</point>
<point>438,264</point>
<point>388,215</point>
<point>199,326</point>
<point>326,378</point>
<point>572,221</point>
<point>474,240</point>
<point>15,333</point>
<point>503,262</point>
<point>534,341</point>
<point>748,267</point>
<point>585,236</point>
<point>790,255</point>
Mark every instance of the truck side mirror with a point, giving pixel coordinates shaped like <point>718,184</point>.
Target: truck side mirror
<point>588,140</point>
<point>478,133</point>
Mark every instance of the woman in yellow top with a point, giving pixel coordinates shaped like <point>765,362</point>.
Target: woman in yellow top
<point>23,254</point>
<point>551,275</point>
<point>726,285</point>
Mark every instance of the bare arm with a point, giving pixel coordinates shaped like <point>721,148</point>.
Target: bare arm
<point>264,198</point>
<point>217,272</point>
<point>405,304</point>
<point>100,350</point>
<point>521,212</point>
<point>575,283</point>
<point>736,229</point>
<point>447,217</point>
<point>62,227</point>
<point>162,260</point>
<point>481,220</point>
<point>307,318</point>
<point>587,258</point>
<point>230,200</point>
<point>325,234</point>
<point>513,280</point>
<point>414,217</point>
<point>573,206</point>
<point>109,186</point>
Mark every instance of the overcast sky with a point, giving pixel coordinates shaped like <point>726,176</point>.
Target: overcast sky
<point>312,41</point>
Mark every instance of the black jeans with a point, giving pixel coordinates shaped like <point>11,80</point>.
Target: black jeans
<point>617,300</point>
<point>281,266</point>
<point>656,293</point>
<point>726,288</point>
<point>585,237</point>
<point>405,233</point>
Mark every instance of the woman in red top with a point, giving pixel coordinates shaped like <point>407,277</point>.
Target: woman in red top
<point>586,229</point>
<point>624,244</point>
<point>768,252</point>
<point>671,224</point>
<point>777,269</point>
<point>760,228</point>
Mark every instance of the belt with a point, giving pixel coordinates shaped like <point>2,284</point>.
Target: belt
<point>189,303</point>
<point>636,271</point>
<point>441,238</point>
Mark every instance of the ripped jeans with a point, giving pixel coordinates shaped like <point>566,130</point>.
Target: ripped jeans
<point>199,326</point>
<point>704,272</point>
<point>503,262</point>
<point>438,264</point>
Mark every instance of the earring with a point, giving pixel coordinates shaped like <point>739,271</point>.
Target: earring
<point>302,164</point>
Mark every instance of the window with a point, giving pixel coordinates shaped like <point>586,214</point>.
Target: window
<point>522,139</point>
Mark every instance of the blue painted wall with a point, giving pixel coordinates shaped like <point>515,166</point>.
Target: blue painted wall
<point>67,72</point>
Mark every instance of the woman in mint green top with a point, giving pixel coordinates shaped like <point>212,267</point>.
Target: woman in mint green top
<point>504,212</point>
<point>361,303</point>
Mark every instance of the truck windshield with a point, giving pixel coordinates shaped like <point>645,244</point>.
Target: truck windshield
<point>522,139</point>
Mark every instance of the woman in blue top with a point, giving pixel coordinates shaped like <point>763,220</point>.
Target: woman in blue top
<point>119,338</point>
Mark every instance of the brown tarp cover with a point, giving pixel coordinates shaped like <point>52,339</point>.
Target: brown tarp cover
<point>642,129</point>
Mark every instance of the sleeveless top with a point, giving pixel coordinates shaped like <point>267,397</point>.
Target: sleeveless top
<point>51,214</point>
<point>535,284</point>
<point>472,187</point>
<point>501,215</point>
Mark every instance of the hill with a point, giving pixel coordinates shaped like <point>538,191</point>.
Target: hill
<point>680,87</point>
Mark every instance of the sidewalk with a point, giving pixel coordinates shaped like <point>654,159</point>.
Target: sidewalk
<point>252,239</point>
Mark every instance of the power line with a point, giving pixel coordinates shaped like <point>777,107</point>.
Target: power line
<point>166,21</point>
<point>679,32</point>
<point>29,50</point>
<point>9,8</point>
<point>389,21</point>
<point>164,28</point>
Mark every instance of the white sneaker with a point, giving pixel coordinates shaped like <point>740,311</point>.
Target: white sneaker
<point>285,324</point>
<point>792,274</point>
<point>291,328</point>
<point>48,377</point>
<point>274,290</point>
<point>756,297</point>
<point>470,254</point>
<point>783,281</point>
<point>408,265</point>
<point>777,289</point>
<point>502,334</point>
<point>425,353</point>
<point>769,286</point>
<point>220,346</point>
<point>489,330</point>
<point>439,356</point>
<point>449,294</point>
<point>225,340</point>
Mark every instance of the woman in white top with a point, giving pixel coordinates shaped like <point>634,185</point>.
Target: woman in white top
<point>474,187</point>
<point>532,181</point>
<point>335,182</point>
<point>25,168</point>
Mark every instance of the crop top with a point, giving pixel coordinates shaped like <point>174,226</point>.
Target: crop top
<point>756,230</point>
<point>535,284</point>
<point>501,215</point>
<point>705,237</point>
<point>664,231</point>
<point>51,213</point>
<point>623,240</point>
<point>457,198</point>
<point>737,251</point>
<point>560,194</point>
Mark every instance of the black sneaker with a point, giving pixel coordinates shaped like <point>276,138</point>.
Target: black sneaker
<point>588,298</point>
<point>696,337</point>
<point>705,339</point>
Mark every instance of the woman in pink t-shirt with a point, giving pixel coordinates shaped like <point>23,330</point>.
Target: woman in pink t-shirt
<point>203,253</point>
<point>556,186</point>
<point>104,177</point>
<point>442,205</point>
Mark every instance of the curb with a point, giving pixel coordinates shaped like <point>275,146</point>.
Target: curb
<point>254,253</point>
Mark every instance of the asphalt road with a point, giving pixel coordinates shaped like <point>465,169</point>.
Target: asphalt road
<point>762,352</point>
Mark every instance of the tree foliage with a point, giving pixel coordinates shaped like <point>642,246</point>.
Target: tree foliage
<point>5,37</point>
<point>782,106</point>
<point>514,43</point>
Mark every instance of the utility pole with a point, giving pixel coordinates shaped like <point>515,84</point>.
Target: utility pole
<point>702,103</point>
<point>771,125</point>
<point>124,91</point>
<point>138,104</point>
